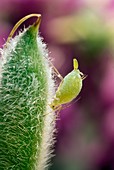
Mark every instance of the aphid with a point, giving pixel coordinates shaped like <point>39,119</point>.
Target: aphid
<point>69,87</point>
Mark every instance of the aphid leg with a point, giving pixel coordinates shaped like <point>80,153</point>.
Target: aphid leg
<point>56,71</point>
<point>37,23</point>
<point>71,103</point>
<point>81,73</point>
<point>84,77</point>
<point>58,110</point>
<point>57,113</point>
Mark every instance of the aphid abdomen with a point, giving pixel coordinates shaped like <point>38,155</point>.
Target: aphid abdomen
<point>69,88</point>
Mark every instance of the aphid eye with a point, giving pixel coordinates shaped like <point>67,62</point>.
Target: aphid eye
<point>53,106</point>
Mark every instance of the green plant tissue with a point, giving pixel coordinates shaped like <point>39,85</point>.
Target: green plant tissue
<point>26,89</point>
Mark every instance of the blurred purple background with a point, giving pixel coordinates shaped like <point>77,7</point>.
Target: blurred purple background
<point>83,29</point>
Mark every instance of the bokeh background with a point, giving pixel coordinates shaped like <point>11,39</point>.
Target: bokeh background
<point>83,29</point>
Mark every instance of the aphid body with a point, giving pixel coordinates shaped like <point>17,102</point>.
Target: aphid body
<point>69,87</point>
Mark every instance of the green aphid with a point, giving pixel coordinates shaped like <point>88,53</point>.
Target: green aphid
<point>69,87</point>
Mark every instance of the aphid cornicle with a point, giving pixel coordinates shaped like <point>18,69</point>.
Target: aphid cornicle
<point>69,87</point>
